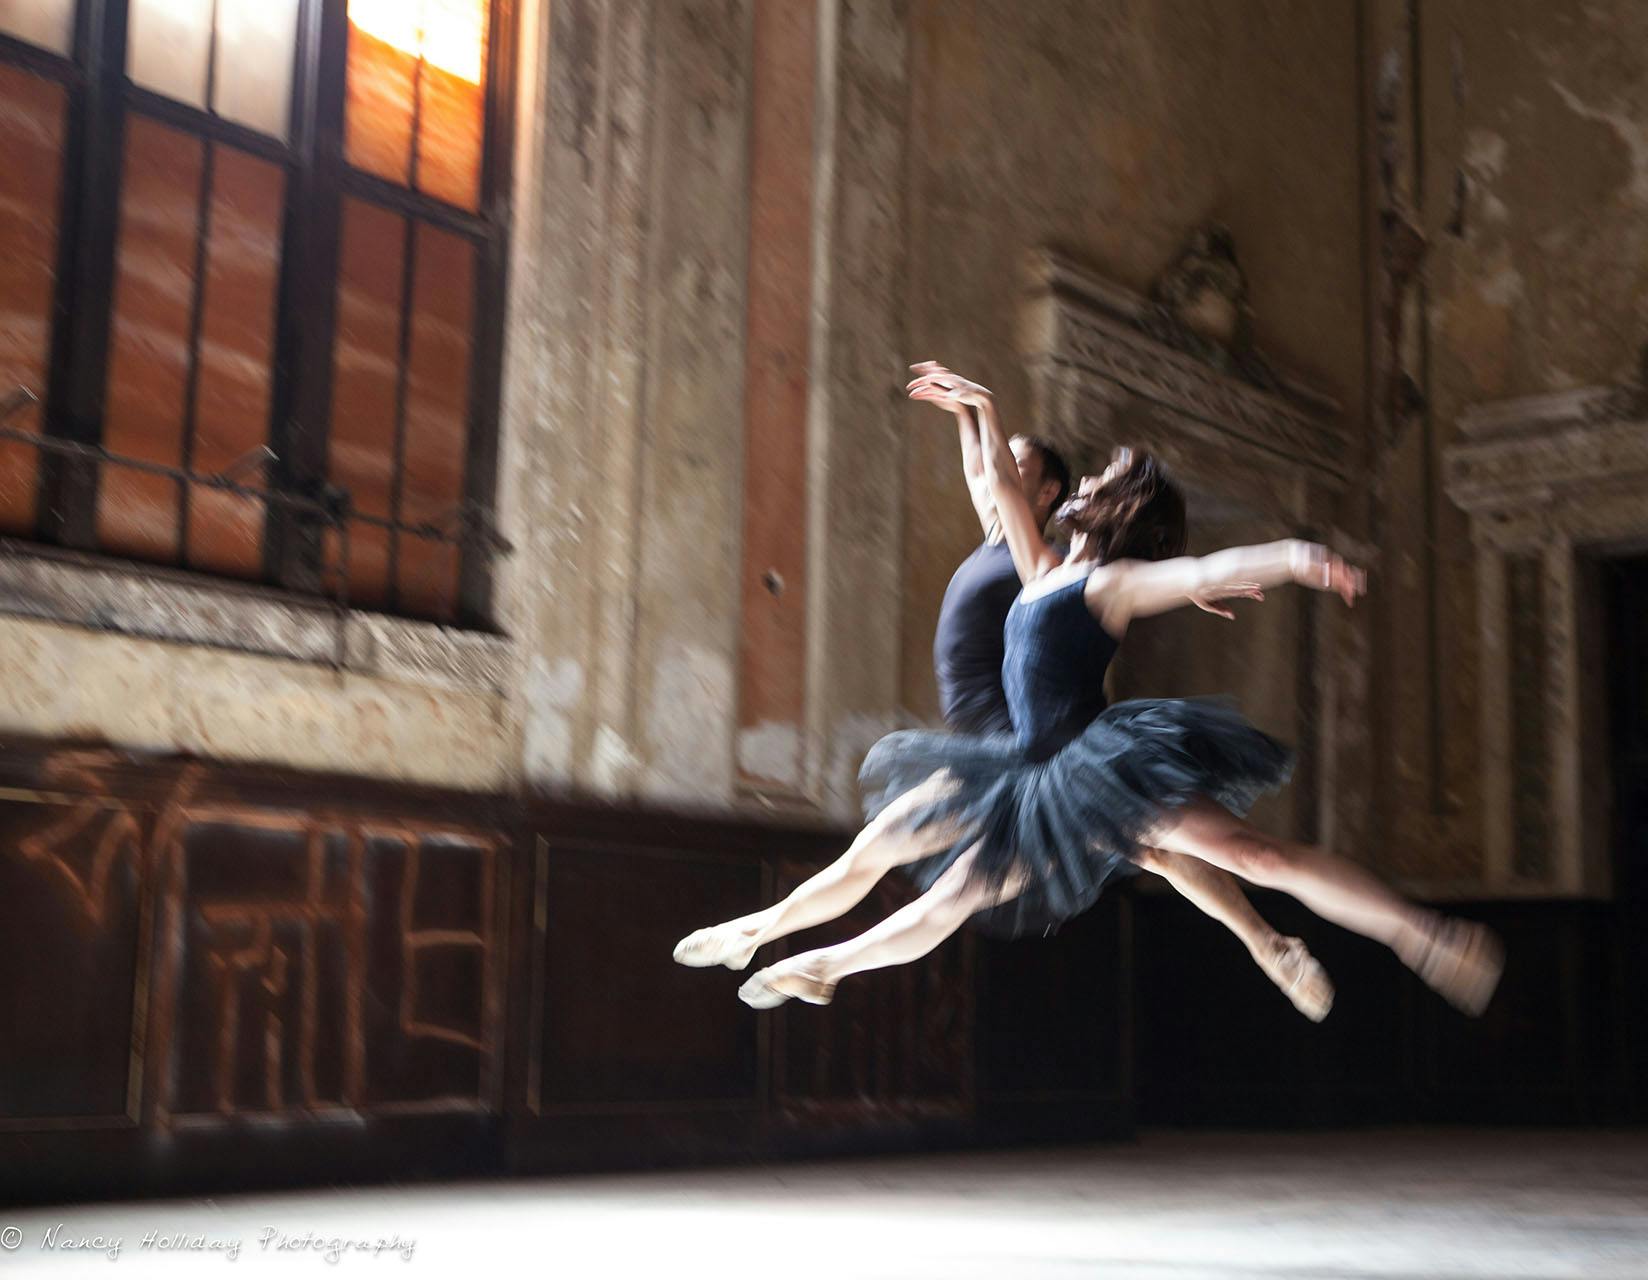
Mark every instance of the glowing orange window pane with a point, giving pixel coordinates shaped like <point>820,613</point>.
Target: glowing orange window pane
<point>235,358</point>
<point>452,108</point>
<point>437,418</point>
<point>31,148</point>
<point>419,65</point>
<point>366,373</point>
<point>382,81</point>
<point>137,513</point>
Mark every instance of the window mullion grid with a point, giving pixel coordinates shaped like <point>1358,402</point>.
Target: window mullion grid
<point>197,302</point>
<point>294,543</point>
<point>403,372</point>
<point>318,178</point>
<point>84,307</point>
<point>486,368</point>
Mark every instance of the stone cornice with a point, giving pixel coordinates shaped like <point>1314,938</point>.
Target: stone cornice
<point>1538,450</point>
<point>146,603</point>
<point>1080,325</point>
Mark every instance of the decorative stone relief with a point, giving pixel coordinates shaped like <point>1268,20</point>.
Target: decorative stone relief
<point>1090,347</point>
<point>1548,482</point>
<point>1199,306</point>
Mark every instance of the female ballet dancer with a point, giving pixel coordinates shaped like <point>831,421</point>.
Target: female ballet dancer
<point>1024,831</point>
<point>971,624</point>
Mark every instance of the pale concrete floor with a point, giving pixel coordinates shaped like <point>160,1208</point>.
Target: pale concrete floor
<point>1348,1206</point>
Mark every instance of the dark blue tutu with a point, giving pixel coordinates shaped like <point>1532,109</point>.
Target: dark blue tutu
<point>1073,821</point>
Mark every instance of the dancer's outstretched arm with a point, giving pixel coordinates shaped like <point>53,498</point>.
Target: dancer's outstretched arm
<point>1032,557</point>
<point>1126,589</point>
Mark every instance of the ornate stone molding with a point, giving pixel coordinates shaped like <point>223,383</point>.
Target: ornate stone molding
<point>1086,332</point>
<point>151,604</point>
<point>1572,465</point>
<point>1547,482</point>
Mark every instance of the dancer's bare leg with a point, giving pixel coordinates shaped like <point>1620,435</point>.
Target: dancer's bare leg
<point>1461,961</point>
<point>1217,894</point>
<point>908,934</point>
<point>837,889</point>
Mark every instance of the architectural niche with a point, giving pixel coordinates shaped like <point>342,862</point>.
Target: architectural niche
<point>1110,366</point>
<point>1553,485</point>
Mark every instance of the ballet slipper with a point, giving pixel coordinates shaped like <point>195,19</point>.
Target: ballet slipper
<point>772,987</point>
<point>723,944</point>
<point>1301,978</point>
<point>1463,964</point>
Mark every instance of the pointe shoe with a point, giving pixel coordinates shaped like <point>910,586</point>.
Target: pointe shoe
<point>719,944</point>
<point>772,987</point>
<point>1463,965</point>
<point>1302,979</point>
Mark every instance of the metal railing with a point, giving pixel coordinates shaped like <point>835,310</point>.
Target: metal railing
<point>468,524</point>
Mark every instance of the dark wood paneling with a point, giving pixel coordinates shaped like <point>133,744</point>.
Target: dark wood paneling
<point>245,977</point>
<point>69,912</point>
<point>1219,1046</point>
<point>315,963</point>
<point>618,1021</point>
<point>895,1047</point>
<point>1055,1038</point>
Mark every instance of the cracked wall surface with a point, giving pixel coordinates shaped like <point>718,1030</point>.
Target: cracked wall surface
<point>946,140</point>
<point>1522,153</point>
<point>1109,131</point>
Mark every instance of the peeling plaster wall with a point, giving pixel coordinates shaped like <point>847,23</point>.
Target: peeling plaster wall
<point>1528,170</point>
<point>1110,130</point>
<point>83,685</point>
<point>950,137</point>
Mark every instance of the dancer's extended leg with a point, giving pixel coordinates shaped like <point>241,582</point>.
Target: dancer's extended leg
<point>884,844</point>
<point>1286,961</point>
<point>908,934</point>
<point>1460,960</point>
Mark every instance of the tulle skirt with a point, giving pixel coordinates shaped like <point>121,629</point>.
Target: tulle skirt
<point>1067,825</point>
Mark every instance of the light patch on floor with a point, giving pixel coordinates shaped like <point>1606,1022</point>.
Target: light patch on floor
<point>1441,1205</point>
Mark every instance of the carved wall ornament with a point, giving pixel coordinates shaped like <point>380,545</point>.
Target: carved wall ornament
<point>1199,306</point>
<point>1091,349</point>
<point>1550,483</point>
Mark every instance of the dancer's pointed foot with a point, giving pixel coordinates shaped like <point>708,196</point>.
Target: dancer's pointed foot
<point>771,987</point>
<point>1301,977</point>
<point>726,944</point>
<point>1463,964</point>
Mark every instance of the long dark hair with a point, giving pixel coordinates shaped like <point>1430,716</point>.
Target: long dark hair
<point>1137,514</point>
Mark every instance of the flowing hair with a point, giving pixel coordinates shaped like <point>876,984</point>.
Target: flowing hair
<point>1138,513</point>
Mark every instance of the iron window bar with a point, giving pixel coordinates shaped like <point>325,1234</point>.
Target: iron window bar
<point>467,525</point>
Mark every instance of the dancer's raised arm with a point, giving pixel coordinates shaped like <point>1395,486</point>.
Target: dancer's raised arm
<point>972,466</point>
<point>1032,557</point>
<point>1123,590</point>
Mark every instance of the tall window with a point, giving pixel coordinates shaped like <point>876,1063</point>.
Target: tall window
<point>251,273</point>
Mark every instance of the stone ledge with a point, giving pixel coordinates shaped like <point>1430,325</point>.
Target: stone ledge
<point>1522,454</point>
<point>176,608</point>
<point>1078,323</point>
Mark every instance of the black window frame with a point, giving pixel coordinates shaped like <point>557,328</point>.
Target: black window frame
<point>300,502</point>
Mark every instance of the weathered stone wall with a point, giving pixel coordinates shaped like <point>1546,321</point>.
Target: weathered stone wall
<point>946,141</point>
<point>1109,131</point>
<point>948,138</point>
<point>1521,147</point>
